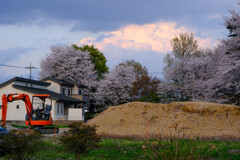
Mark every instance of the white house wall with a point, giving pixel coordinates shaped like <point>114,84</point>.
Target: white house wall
<point>75,114</point>
<point>55,87</point>
<point>19,114</point>
<point>75,90</point>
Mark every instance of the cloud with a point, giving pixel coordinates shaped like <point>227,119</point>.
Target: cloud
<point>11,54</point>
<point>154,37</point>
<point>147,44</point>
<point>152,59</point>
<point>32,56</point>
<point>107,15</point>
<point>215,16</point>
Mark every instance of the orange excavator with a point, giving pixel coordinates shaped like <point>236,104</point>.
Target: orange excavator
<point>38,113</point>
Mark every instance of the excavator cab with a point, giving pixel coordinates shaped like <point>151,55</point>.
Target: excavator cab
<point>41,110</point>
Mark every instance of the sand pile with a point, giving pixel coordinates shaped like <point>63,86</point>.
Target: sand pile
<point>184,119</point>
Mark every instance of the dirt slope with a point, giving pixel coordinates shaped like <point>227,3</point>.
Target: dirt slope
<point>186,119</point>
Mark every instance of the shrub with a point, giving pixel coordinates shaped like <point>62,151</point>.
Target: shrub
<point>88,115</point>
<point>20,145</point>
<point>80,138</point>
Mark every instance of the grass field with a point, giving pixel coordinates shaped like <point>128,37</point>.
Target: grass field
<point>126,149</point>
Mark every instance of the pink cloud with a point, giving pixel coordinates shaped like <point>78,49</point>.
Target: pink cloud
<point>155,36</point>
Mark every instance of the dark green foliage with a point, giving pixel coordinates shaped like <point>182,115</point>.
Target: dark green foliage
<point>80,138</point>
<point>89,115</point>
<point>151,97</point>
<point>21,146</point>
<point>97,58</point>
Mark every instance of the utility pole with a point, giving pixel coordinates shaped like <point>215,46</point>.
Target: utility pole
<point>30,69</point>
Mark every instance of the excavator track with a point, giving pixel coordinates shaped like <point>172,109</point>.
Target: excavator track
<point>47,130</point>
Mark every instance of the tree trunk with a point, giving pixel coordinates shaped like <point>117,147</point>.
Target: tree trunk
<point>77,156</point>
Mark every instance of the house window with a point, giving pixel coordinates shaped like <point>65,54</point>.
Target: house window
<point>69,91</point>
<point>66,91</point>
<point>79,92</point>
<point>17,106</point>
<point>60,109</point>
<point>63,91</point>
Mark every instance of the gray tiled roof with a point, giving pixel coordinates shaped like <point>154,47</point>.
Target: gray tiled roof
<point>54,95</point>
<point>20,79</point>
<point>64,82</point>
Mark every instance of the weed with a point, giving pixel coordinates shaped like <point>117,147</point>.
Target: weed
<point>173,149</point>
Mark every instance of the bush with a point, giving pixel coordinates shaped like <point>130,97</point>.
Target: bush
<point>21,146</point>
<point>88,115</point>
<point>80,138</point>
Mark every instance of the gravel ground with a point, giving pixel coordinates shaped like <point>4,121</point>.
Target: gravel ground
<point>9,127</point>
<point>61,130</point>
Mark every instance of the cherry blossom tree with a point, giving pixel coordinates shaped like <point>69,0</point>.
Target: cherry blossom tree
<point>177,72</point>
<point>145,86</point>
<point>115,88</point>
<point>226,82</point>
<point>187,70</point>
<point>137,68</point>
<point>69,63</point>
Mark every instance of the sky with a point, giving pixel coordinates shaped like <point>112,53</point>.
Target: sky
<point>122,30</point>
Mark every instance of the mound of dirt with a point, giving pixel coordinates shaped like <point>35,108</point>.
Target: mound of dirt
<point>184,119</point>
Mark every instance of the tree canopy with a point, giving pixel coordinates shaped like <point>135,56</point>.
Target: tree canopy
<point>183,48</point>
<point>97,58</point>
<point>115,88</point>
<point>184,45</point>
<point>137,67</point>
<point>145,88</point>
<point>225,85</point>
<point>69,63</point>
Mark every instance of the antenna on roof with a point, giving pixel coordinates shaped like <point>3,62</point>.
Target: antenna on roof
<point>30,69</point>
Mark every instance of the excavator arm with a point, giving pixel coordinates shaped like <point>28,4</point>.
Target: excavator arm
<point>11,98</point>
<point>40,124</point>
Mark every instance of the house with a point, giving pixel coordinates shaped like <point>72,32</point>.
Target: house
<point>68,100</point>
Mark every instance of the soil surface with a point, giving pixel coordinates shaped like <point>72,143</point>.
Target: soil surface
<point>184,119</point>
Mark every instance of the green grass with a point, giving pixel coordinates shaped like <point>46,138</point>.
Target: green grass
<point>19,126</point>
<point>126,149</point>
<point>108,149</point>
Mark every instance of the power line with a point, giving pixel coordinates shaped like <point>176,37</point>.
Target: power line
<point>32,67</point>
<point>28,67</point>
<point>4,65</point>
